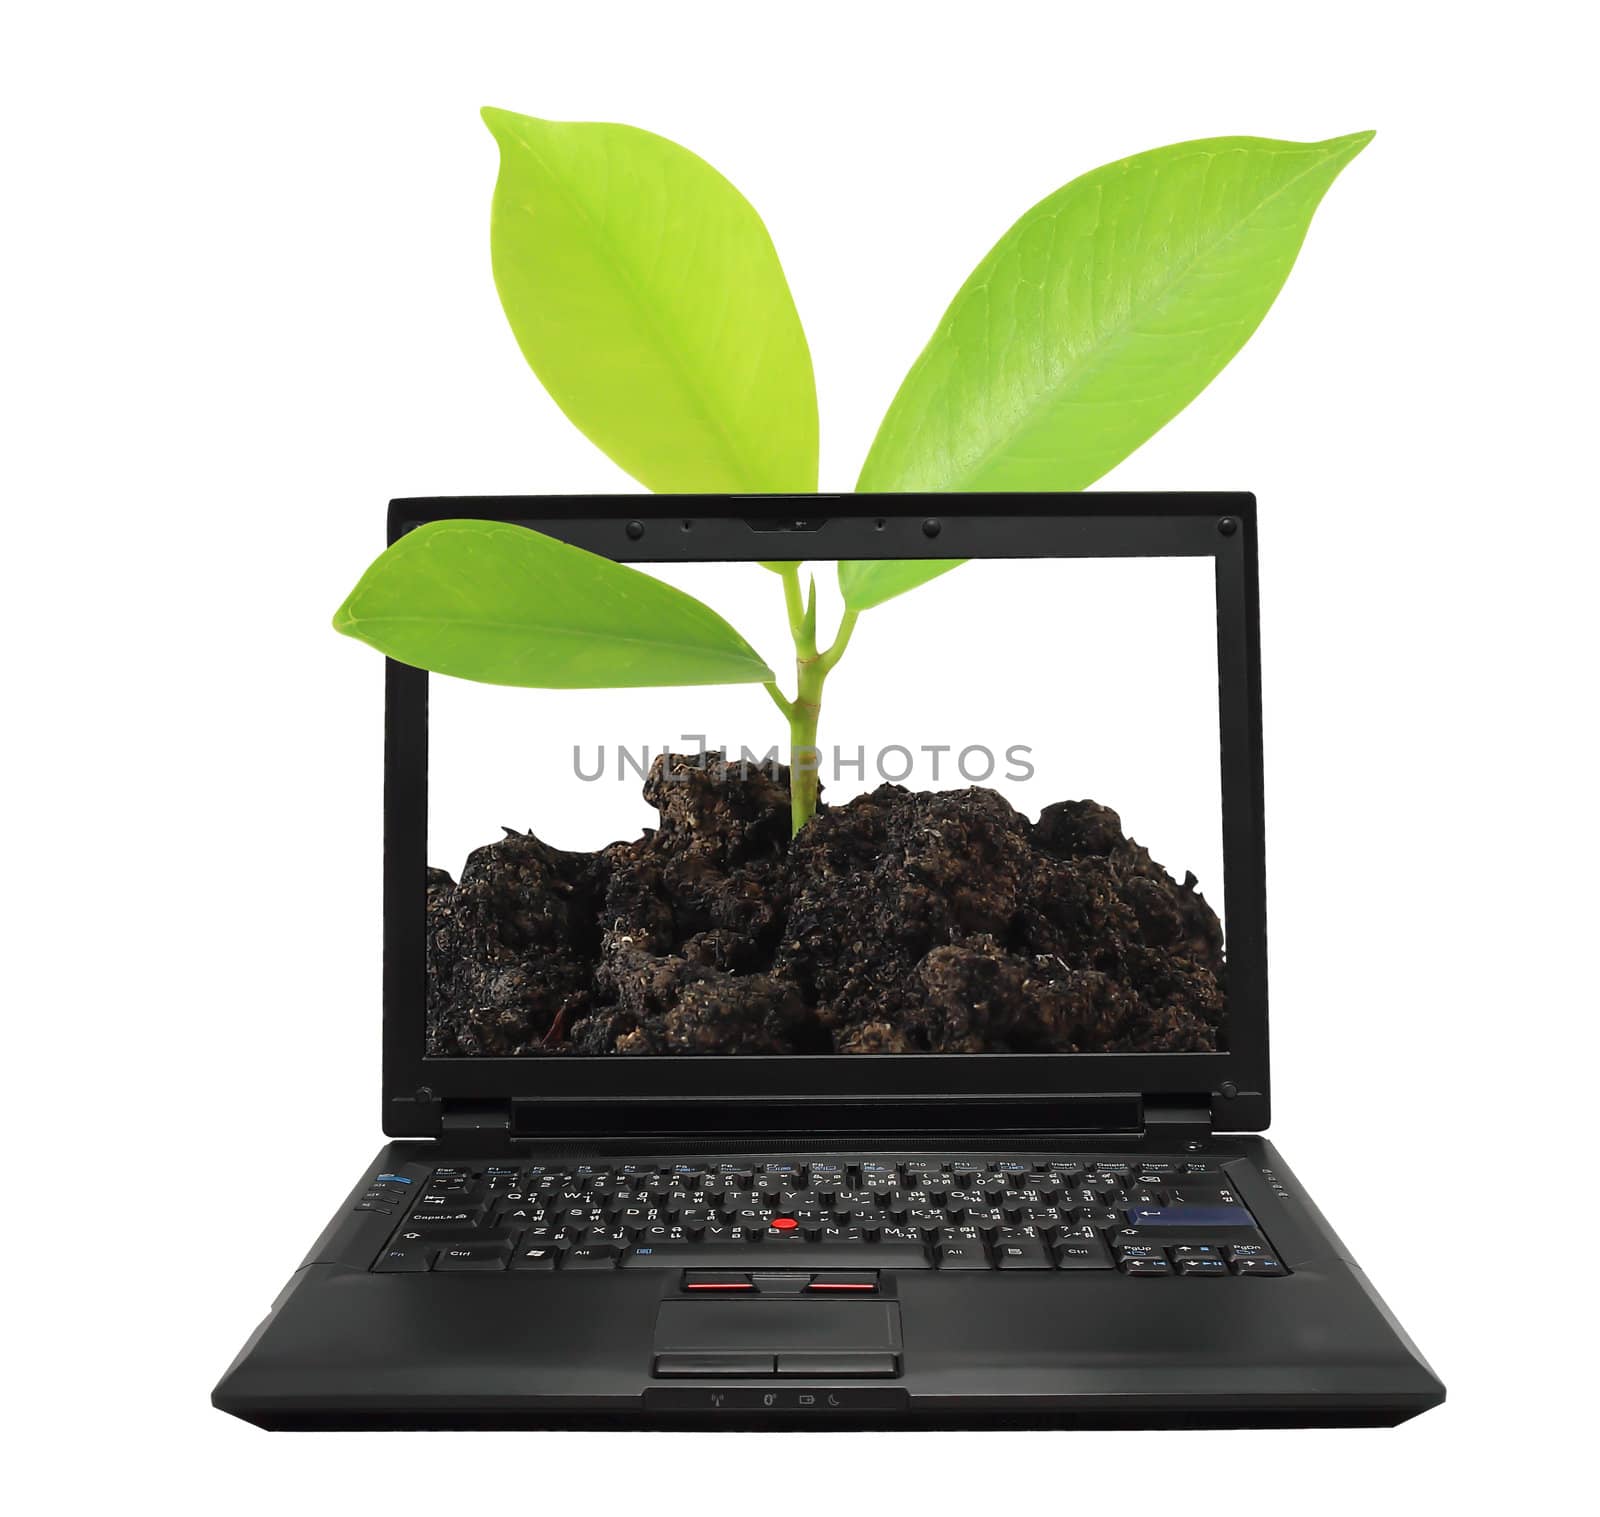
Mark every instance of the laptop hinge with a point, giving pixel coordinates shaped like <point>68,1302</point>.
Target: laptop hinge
<point>738,1122</point>
<point>1181,1120</point>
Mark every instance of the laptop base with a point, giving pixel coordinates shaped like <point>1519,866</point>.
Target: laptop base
<point>347,1347</point>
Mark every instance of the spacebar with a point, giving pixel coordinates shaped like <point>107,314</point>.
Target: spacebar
<point>779,1256</point>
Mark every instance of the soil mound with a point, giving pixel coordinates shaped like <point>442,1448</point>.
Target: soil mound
<point>900,922</point>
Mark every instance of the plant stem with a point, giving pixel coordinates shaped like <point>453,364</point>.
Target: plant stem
<point>841,640</point>
<point>804,756</point>
<point>811,672</point>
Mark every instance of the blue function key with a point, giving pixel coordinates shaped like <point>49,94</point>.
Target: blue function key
<point>394,1179</point>
<point>1189,1216</point>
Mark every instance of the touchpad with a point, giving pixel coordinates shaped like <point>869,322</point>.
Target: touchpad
<point>765,1337</point>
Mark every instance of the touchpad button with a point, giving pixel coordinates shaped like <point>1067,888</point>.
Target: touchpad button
<point>830,1334</point>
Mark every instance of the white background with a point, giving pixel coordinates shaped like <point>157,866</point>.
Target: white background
<point>247,299</point>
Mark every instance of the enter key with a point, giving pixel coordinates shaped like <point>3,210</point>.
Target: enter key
<point>1197,1215</point>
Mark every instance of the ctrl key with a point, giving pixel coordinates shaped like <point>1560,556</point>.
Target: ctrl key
<point>473,1256</point>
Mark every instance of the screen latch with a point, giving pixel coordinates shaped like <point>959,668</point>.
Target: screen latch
<point>489,1120</point>
<point>1181,1120</point>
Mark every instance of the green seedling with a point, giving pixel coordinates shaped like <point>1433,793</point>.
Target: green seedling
<point>646,295</point>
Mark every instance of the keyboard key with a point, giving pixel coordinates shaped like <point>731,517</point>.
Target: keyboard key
<point>539,1256</point>
<point>1266,1265</point>
<point>1083,1253</point>
<point>590,1256</point>
<point>472,1256</point>
<point>1189,1216</point>
<point>1027,1254</point>
<point>1202,1267</point>
<point>803,1255</point>
<point>963,1255</point>
<point>1126,1251</point>
<point>426,1221</point>
<point>405,1259</point>
<point>1146,1267</point>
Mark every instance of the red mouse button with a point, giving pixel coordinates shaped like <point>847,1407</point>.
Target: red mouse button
<point>854,1280</point>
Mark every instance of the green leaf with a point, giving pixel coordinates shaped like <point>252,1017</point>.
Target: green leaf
<point>1097,318</point>
<point>865,583</point>
<point>499,603</point>
<point>645,293</point>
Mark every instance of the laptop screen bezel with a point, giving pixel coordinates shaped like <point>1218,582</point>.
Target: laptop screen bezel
<point>1220,526</point>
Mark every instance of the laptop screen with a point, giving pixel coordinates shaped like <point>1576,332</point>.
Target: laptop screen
<point>1016,847</point>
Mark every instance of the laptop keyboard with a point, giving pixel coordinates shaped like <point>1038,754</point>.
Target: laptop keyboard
<point>719,1221</point>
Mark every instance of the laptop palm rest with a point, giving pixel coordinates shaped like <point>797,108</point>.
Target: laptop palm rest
<point>761,1336</point>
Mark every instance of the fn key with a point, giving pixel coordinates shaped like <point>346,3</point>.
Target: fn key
<point>404,1259</point>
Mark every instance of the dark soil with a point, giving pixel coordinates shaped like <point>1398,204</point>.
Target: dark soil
<point>900,922</point>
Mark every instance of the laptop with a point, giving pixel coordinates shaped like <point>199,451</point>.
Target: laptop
<point>946,1111</point>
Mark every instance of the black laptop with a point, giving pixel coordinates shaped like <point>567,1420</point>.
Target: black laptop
<point>945,1112</point>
